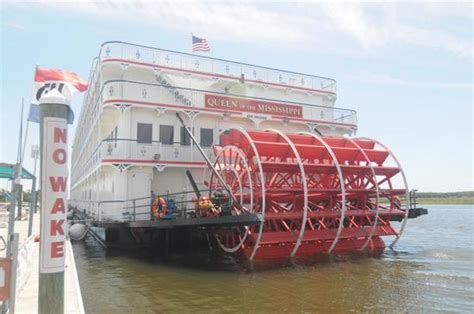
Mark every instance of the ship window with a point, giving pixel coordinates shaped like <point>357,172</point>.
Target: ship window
<point>144,133</point>
<point>166,134</point>
<point>185,138</point>
<point>207,137</point>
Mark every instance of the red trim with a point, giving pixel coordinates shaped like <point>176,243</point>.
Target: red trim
<point>156,104</point>
<point>215,75</point>
<point>196,163</point>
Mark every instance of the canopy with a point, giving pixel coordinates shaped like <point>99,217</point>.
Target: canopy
<point>7,171</point>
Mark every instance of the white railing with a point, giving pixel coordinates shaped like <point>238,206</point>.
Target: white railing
<point>213,66</point>
<point>89,110</point>
<point>116,90</point>
<point>156,151</point>
<point>127,210</point>
<point>130,149</point>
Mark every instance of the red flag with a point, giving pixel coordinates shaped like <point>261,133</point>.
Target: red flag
<point>65,82</point>
<point>44,75</point>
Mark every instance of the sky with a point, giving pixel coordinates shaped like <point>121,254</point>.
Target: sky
<point>406,67</point>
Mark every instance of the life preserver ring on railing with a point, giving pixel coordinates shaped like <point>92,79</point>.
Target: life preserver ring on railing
<point>160,207</point>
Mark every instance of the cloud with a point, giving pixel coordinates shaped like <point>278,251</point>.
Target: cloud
<point>13,25</point>
<point>384,79</point>
<point>353,27</point>
<point>381,26</point>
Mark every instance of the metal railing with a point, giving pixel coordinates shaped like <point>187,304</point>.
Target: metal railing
<point>133,91</point>
<point>213,66</point>
<point>155,150</point>
<point>140,209</point>
<point>131,149</point>
<point>208,65</point>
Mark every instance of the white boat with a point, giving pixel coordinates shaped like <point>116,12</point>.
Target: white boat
<point>129,144</point>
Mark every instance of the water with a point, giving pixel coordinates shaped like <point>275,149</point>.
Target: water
<point>432,270</point>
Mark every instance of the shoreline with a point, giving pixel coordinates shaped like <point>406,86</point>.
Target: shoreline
<point>445,201</point>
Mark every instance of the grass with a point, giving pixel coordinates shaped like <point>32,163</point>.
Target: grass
<point>442,198</point>
<point>446,200</point>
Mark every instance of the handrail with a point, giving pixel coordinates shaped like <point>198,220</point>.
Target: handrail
<point>128,207</point>
<point>333,81</point>
<point>231,95</point>
<point>118,141</point>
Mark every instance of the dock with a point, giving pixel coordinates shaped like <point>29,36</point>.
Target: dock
<point>27,277</point>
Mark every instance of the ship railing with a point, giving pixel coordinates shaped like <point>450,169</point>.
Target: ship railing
<point>90,105</point>
<point>213,66</point>
<point>154,150</point>
<point>147,94</point>
<point>135,151</point>
<point>181,204</point>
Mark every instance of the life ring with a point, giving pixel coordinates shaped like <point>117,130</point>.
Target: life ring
<point>160,207</point>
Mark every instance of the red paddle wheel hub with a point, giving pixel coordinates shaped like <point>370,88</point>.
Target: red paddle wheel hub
<point>317,195</point>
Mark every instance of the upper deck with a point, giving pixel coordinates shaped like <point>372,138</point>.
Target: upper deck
<point>114,51</point>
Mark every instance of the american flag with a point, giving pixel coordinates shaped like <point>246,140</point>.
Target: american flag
<point>200,44</point>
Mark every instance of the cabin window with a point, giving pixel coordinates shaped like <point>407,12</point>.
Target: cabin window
<point>185,138</point>
<point>166,134</point>
<point>207,137</point>
<point>144,133</point>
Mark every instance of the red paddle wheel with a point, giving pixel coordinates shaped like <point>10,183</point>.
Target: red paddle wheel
<point>317,195</point>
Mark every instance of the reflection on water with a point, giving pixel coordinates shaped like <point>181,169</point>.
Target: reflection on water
<point>432,270</point>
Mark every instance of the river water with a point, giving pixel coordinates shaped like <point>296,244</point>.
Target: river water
<point>432,270</point>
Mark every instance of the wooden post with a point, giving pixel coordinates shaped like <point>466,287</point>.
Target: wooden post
<point>54,173</point>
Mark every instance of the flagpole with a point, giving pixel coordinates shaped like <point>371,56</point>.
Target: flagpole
<point>19,171</point>
<point>28,121</point>
<point>20,139</point>
<point>24,141</point>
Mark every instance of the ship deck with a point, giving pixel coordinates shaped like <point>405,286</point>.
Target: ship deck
<point>201,222</point>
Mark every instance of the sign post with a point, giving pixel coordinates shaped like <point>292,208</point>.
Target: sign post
<point>54,174</point>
